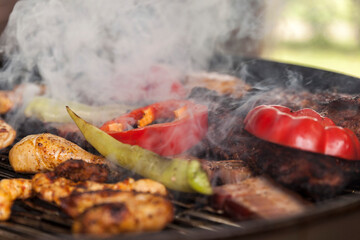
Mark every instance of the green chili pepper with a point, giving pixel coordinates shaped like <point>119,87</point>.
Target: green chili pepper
<point>177,174</point>
<point>51,110</point>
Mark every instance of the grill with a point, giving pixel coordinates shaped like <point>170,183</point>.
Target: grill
<point>194,219</point>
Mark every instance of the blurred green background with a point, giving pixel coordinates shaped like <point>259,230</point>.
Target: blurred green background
<point>323,34</point>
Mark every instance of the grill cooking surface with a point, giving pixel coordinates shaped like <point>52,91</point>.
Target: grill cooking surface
<point>34,218</point>
<point>194,219</point>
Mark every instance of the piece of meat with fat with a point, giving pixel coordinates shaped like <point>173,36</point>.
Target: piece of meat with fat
<point>257,197</point>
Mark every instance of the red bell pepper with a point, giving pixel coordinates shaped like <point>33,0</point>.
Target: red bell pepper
<point>304,129</point>
<point>166,128</point>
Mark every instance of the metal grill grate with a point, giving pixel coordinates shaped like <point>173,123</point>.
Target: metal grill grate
<point>35,218</point>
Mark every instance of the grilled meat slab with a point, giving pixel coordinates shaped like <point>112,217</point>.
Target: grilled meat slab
<point>257,197</point>
<point>119,211</point>
<point>51,188</point>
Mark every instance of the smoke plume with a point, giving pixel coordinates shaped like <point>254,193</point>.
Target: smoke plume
<point>106,51</point>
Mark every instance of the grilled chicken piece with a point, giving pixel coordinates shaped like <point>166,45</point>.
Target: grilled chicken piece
<point>10,190</point>
<point>257,198</point>
<point>7,134</point>
<point>43,152</point>
<point>120,212</point>
<point>52,188</point>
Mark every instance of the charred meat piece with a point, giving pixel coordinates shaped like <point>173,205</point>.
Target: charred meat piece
<point>257,198</point>
<point>7,134</point>
<point>79,170</point>
<point>10,190</point>
<point>344,111</point>
<point>43,152</point>
<point>120,212</point>
<point>51,188</point>
<point>314,175</point>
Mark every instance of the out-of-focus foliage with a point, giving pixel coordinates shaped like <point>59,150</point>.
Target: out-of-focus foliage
<point>324,34</point>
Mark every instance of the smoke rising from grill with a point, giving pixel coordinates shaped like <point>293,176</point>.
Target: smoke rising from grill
<point>103,50</point>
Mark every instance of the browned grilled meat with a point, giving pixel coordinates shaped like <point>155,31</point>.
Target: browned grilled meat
<point>120,212</point>
<point>52,188</point>
<point>10,190</point>
<point>76,203</point>
<point>257,198</point>
<point>315,175</point>
<point>344,111</point>
<point>43,152</point>
<point>79,170</point>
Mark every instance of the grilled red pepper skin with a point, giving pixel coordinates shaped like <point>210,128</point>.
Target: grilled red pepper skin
<point>304,129</point>
<point>166,139</point>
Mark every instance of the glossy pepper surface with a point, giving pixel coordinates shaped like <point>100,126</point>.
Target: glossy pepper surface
<point>166,128</point>
<point>304,129</point>
<point>175,173</point>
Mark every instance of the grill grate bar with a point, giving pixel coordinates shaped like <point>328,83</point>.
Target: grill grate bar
<point>37,222</point>
<point>8,235</point>
<point>25,231</point>
<point>211,217</point>
<point>5,174</point>
<point>194,223</point>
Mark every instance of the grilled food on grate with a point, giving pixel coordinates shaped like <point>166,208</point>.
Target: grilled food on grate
<point>143,200</point>
<point>258,197</point>
<point>121,211</point>
<point>10,190</point>
<point>43,152</point>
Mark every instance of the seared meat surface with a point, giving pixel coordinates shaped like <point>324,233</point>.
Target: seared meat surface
<point>314,175</point>
<point>127,206</point>
<point>79,170</point>
<point>258,197</point>
<point>119,211</point>
<point>51,188</point>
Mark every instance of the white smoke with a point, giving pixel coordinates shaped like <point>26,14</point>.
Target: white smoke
<point>103,51</point>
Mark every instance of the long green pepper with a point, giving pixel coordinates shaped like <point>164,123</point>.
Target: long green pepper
<point>177,174</point>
